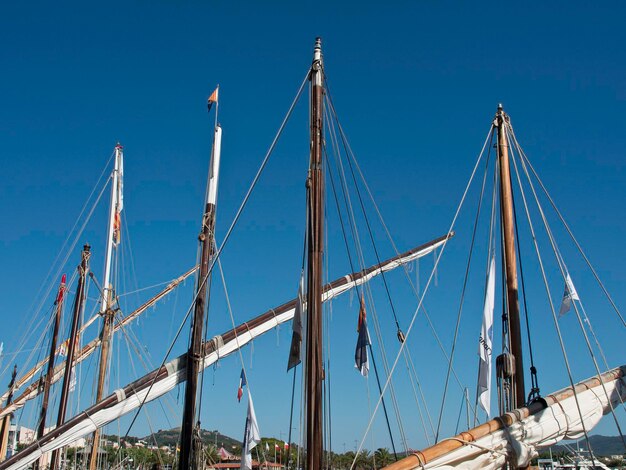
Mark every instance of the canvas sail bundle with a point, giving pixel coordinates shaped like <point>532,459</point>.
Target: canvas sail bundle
<point>516,436</point>
<point>163,380</point>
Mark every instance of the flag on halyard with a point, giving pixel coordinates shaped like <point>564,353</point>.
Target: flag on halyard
<point>296,337</point>
<point>213,98</point>
<point>485,342</point>
<point>242,383</point>
<point>361,360</point>
<point>251,437</point>
<point>568,295</point>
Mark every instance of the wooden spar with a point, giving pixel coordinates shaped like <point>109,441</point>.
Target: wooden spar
<point>421,458</point>
<point>143,383</point>
<point>31,390</point>
<point>106,306</point>
<point>6,422</point>
<point>79,302</point>
<point>194,355</point>
<point>314,360</point>
<point>105,347</point>
<point>508,230</point>
<point>50,372</point>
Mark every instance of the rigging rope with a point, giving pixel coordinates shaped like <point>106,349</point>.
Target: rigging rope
<point>215,258</point>
<point>563,271</point>
<point>426,287</point>
<point>341,223</point>
<point>48,280</point>
<point>465,279</point>
<point>553,311</point>
<point>571,234</point>
<point>393,244</point>
<point>355,235</point>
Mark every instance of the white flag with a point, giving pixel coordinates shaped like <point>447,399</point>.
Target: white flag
<point>569,294</point>
<point>485,342</point>
<point>73,379</point>
<point>251,436</point>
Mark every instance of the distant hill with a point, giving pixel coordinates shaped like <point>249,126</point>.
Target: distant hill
<point>602,446</point>
<point>170,437</point>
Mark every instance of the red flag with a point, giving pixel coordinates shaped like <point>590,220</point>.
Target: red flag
<point>61,290</point>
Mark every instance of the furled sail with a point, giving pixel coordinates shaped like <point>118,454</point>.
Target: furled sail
<point>33,390</point>
<point>164,379</point>
<point>515,436</point>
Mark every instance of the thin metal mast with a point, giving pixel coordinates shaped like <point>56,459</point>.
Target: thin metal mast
<point>518,395</point>
<point>50,372</point>
<point>106,305</point>
<point>314,359</point>
<point>194,356</point>
<point>79,302</point>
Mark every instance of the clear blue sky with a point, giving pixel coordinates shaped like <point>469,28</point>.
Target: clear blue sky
<point>416,85</point>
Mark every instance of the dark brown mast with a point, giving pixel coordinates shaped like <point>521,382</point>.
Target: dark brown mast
<point>518,394</point>
<point>79,302</point>
<point>50,372</point>
<point>6,422</point>
<point>105,346</point>
<point>314,360</point>
<point>194,356</point>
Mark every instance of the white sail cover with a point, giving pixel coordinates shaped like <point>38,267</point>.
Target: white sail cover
<point>516,436</point>
<point>123,401</point>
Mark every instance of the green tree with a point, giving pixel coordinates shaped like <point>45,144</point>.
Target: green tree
<point>383,457</point>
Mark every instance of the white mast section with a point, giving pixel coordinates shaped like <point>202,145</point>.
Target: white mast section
<point>114,225</point>
<point>214,171</point>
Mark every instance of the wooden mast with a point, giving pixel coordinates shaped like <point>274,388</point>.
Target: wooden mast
<point>6,422</point>
<point>188,458</point>
<point>314,360</point>
<point>518,395</point>
<point>79,302</point>
<point>50,371</point>
<point>106,306</point>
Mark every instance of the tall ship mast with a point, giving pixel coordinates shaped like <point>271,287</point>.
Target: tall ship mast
<point>50,372</point>
<point>108,293</point>
<point>189,455</point>
<point>79,303</point>
<point>314,349</point>
<point>510,366</point>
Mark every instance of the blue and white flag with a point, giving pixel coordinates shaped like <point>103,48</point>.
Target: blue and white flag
<point>251,437</point>
<point>485,342</point>
<point>361,359</point>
